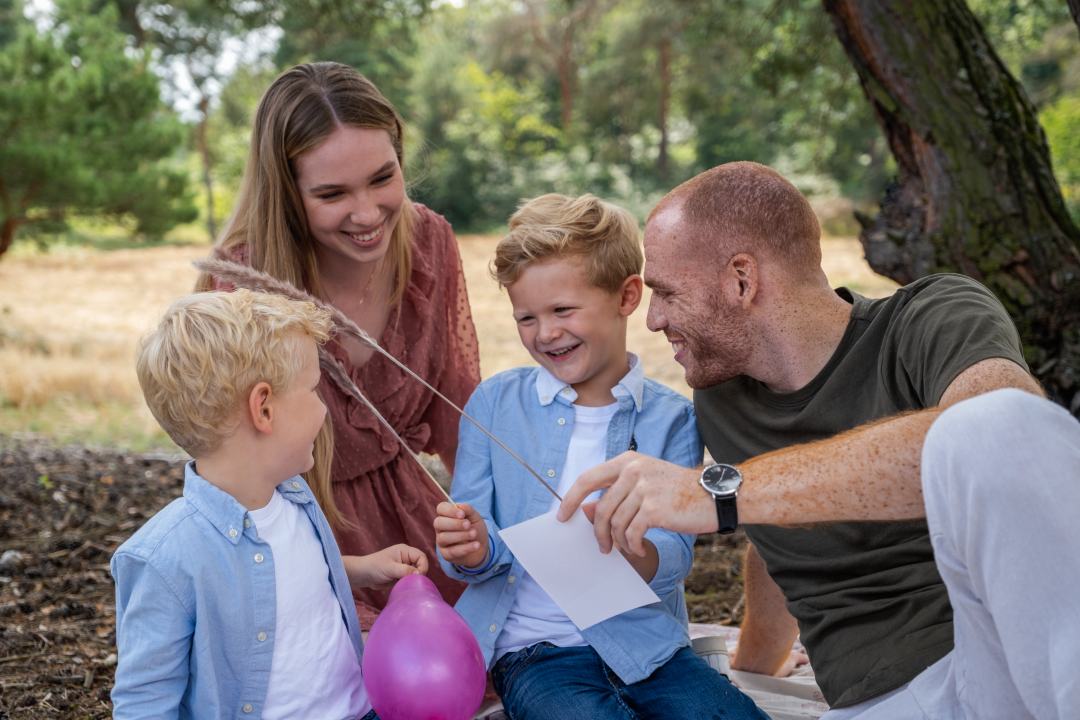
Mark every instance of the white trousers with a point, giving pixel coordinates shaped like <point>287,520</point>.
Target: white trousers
<point>1001,480</point>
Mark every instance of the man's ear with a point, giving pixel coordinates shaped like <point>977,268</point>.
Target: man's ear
<point>261,408</point>
<point>630,295</point>
<point>743,269</point>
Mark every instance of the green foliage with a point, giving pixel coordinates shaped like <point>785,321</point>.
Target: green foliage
<point>229,130</point>
<point>1019,28</point>
<point>10,19</point>
<point>84,130</point>
<point>373,36</point>
<point>484,87</point>
<point>750,80</point>
<point>1061,122</point>
<point>496,134</point>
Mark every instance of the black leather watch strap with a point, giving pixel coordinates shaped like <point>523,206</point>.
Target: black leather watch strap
<point>728,515</point>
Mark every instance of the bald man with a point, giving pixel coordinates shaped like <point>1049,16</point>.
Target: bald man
<point>909,493</point>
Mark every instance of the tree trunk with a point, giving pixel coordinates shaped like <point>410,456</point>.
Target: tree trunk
<point>975,192</point>
<point>7,230</point>
<point>1074,8</point>
<point>665,99</point>
<point>566,81</point>
<point>204,150</point>
<point>7,234</point>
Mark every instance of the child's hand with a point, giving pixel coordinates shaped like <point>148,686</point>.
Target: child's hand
<point>382,569</point>
<point>461,535</point>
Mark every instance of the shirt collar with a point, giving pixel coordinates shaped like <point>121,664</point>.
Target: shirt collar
<point>548,387</point>
<point>222,509</point>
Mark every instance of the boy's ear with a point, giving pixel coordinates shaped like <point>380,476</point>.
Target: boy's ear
<point>260,407</point>
<point>630,295</point>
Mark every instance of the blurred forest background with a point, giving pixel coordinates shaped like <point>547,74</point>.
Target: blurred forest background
<point>124,123</point>
<point>137,114</point>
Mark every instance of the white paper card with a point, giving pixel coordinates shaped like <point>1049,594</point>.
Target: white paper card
<point>565,560</point>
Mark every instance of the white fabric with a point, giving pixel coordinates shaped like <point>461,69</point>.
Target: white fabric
<point>1001,481</point>
<point>534,617</point>
<point>314,672</point>
<point>796,697</point>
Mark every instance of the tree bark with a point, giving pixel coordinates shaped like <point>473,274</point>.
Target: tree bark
<point>1074,8</point>
<point>7,234</point>
<point>975,193</point>
<point>560,49</point>
<point>566,81</point>
<point>665,99</point>
<point>7,230</point>
<point>204,150</point>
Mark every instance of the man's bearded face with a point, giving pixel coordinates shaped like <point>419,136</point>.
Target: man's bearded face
<point>711,337</point>
<point>716,341</point>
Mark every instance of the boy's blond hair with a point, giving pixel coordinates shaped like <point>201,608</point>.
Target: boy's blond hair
<point>199,364</point>
<point>553,227</point>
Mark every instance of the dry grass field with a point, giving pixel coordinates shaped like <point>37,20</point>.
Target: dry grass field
<point>69,321</point>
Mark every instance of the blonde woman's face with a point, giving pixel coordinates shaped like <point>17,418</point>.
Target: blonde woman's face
<point>353,191</point>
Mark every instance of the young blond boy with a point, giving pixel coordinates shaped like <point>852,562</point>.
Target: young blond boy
<point>571,267</point>
<point>234,601</point>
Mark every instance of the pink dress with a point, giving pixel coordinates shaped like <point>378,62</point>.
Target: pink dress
<point>377,486</point>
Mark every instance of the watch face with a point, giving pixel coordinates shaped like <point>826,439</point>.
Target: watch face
<point>721,479</point>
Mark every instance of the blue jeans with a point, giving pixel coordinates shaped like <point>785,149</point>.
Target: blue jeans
<point>544,682</point>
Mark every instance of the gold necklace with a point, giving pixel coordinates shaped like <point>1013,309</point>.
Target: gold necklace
<point>363,295</point>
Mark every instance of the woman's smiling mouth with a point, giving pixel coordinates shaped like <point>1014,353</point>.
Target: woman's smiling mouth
<point>366,239</point>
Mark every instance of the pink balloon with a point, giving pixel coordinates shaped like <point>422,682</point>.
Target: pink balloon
<point>421,659</point>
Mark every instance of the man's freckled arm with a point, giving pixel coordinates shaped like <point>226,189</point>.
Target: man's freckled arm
<point>768,629</point>
<point>870,473</point>
<point>873,472</point>
<point>811,483</point>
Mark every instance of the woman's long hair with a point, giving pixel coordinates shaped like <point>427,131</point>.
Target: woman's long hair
<point>299,111</point>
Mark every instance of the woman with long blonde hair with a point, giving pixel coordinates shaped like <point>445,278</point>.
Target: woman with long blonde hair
<point>322,204</point>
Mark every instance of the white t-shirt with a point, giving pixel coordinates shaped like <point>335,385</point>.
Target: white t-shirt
<point>314,672</point>
<point>534,617</point>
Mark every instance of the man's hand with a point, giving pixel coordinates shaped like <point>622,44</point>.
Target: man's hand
<point>643,492</point>
<point>382,569</point>
<point>461,535</point>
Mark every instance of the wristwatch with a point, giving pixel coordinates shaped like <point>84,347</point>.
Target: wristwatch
<point>722,482</point>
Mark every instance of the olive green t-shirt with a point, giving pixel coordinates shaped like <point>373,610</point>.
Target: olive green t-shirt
<point>872,608</point>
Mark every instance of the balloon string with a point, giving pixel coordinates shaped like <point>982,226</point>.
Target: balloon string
<point>251,279</point>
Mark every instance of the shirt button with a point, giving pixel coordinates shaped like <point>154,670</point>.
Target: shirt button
<point>562,421</point>
<point>258,557</point>
<point>232,533</point>
<point>248,708</point>
<point>492,628</point>
<point>512,579</point>
<point>247,523</point>
<point>296,485</point>
<point>544,399</point>
<point>551,473</point>
<point>566,391</point>
<point>262,637</point>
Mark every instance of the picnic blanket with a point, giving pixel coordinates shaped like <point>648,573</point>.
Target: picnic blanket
<point>796,697</point>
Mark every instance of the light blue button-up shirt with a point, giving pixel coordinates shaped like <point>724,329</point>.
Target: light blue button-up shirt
<point>196,606</point>
<point>532,412</point>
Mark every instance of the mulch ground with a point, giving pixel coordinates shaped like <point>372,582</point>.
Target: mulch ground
<point>65,510</point>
